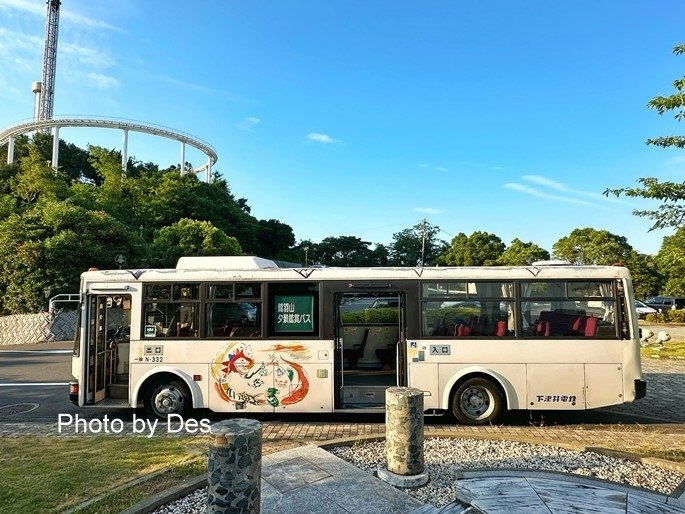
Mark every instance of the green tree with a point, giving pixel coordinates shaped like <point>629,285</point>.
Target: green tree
<point>36,180</point>
<point>407,244</point>
<point>671,262</point>
<point>591,246</point>
<point>275,239</point>
<point>381,255</point>
<point>648,279</point>
<point>345,251</point>
<point>191,238</point>
<point>671,212</point>
<point>478,249</point>
<point>44,250</point>
<point>519,253</point>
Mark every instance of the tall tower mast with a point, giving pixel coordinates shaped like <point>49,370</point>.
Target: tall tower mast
<point>47,96</point>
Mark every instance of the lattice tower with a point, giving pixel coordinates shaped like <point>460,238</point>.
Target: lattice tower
<point>47,98</point>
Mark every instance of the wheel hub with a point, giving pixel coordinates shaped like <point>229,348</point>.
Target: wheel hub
<point>475,402</point>
<point>169,400</point>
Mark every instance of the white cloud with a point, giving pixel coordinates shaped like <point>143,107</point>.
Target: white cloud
<point>427,210</point>
<point>497,168</point>
<point>322,138</point>
<point>39,9</point>
<point>676,161</point>
<point>537,179</point>
<point>101,81</point>
<point>541,194</point>
<point>86,56</point>
<point>11,42</point>
<point>248,123</point>
<point>185,85</point>
<point>84,21</point>
<point>23,5</point>
<point>430,166</point>
<point>558,186</point>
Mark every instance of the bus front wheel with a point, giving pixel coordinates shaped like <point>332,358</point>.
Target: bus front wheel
<point>477,402</point>
<point>164,397</point>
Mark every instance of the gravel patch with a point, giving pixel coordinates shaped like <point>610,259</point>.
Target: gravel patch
<point>444,457</point>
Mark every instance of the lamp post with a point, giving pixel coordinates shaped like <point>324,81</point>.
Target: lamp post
<point>306,249</point>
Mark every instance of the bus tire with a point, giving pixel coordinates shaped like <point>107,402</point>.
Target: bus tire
<point>164,397</point>
<point>477,401</point>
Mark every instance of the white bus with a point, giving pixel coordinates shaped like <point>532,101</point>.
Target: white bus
<point>239,334</point>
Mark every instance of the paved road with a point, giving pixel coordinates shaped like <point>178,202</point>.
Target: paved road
<point>32,371</point>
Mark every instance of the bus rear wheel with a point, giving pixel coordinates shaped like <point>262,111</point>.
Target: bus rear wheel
<point>164,397</point>
<point>477,402</point>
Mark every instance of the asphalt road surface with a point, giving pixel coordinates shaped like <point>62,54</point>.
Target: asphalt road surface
<point>37,377</point>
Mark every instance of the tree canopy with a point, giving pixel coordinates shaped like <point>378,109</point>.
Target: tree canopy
<point>478,249</point>
<point>411,245</point>
<point>44,249</point>
<point>592,246</point>
<point>519,253</point>
<point>55,224</point>
<point>189,237</point>
<point>671,212</point>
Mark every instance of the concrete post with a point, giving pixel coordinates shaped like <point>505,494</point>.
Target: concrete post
<point>10,150</point>
<point>183,158</point>
<point>235,467</point>
<point>403,438</point>
<point>55,148</point>
<point>124,151</point>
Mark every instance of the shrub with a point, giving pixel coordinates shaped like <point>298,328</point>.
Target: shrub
<point>380,315</point>
<point>667,316</point>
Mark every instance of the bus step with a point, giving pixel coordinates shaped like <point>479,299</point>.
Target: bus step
<point>363,395</point>
<point>433,413</point>
<point>110,402</point>
<point>118,391</point>
<point>360,409</point>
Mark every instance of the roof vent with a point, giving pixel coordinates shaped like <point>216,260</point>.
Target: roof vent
<point>223,262</point>
<point>552,263</point>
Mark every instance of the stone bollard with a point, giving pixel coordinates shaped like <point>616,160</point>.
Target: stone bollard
<point>235,467</point>
<point>403,438</point>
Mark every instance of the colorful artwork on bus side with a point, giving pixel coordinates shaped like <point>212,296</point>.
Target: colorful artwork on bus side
<point>279,380</point>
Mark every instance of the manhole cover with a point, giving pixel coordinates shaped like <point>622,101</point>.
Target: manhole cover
<point>17,408</point>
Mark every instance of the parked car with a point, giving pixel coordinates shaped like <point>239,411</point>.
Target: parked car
<point>237,313</point>
<point>661,303</point>
<point>643,309</point>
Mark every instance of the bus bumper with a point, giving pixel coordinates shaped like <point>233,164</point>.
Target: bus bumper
<point>640,388</point>
<point>73,392</point>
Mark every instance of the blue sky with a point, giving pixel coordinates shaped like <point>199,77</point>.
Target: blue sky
<point>362,118</point>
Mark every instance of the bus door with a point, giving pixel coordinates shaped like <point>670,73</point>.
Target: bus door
<point>109,322</point>
<point>369,331</point>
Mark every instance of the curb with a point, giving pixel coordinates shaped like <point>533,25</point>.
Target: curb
<point>186,487</point>
<point>115,490</point>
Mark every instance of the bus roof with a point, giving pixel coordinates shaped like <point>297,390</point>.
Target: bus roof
<point>255,268</point>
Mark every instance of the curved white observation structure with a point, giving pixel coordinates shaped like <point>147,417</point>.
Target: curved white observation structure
<point>9,133</point>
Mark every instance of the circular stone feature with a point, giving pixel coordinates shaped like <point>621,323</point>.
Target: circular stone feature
<point>17,408</point>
